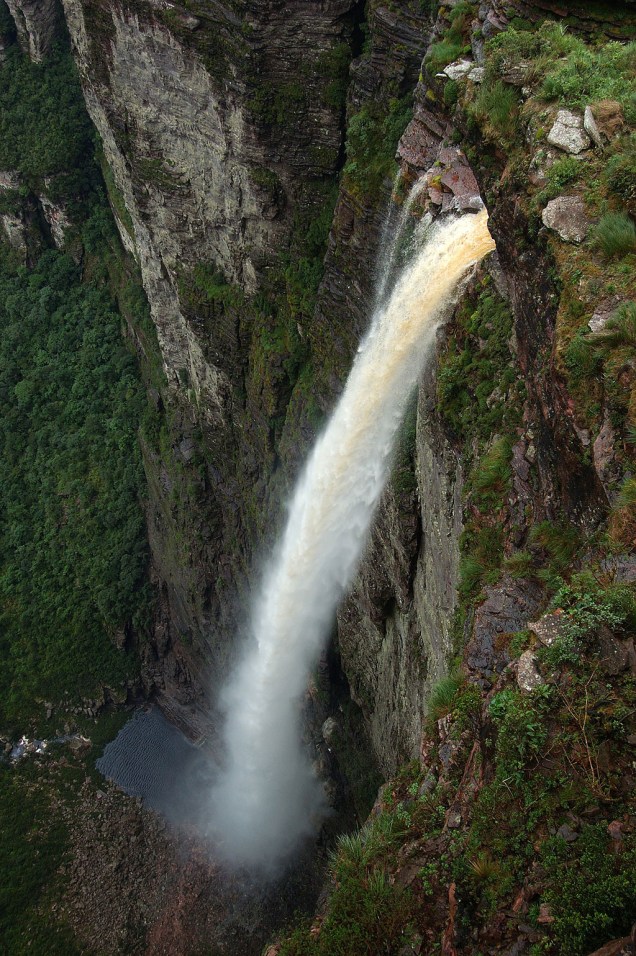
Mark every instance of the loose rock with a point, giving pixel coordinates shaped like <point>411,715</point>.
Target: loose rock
<point>567,216</point>
<point>528,674</point>
<point>548,628</point>
<point>568,133</point>
<point>458,69</point>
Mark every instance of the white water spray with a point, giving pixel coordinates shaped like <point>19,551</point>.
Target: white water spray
<point>267,797</point>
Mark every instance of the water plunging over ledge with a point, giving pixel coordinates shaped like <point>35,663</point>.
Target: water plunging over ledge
<point>267,796</point>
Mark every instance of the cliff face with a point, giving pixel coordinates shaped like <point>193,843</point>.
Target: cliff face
<point>222,132</point>
<point>221,127</point>
<point>248,150</point>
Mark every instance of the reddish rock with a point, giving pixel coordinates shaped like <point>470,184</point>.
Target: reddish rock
<point>545,915</point>
<point>463,185</point>
<point>618,947</point>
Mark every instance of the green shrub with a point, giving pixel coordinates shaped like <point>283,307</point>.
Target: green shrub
<point>454,41</point>
<point>616,234</point>
<point>589,74</point>
<point>443,696</point>
<point>476,370</point>
<point>372,138</point>
<point>563,172</point>
<point>334,65</point>
<point>618,333</point>
<point>627,495</point>
<point>620,172</point>
<point>592,891</point>
<point>560,540</point>
<point>451,93</point>
<point>521,728</point>
<point>496,109</point>
<point>472,575</point>
<point>494,470</point>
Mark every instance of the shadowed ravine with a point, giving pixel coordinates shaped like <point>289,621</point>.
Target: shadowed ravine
<point>267,796</point>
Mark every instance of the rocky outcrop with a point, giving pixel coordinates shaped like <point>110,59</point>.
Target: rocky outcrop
<point>219,128</point>
<point>567,133</point>
<point>39,24</point>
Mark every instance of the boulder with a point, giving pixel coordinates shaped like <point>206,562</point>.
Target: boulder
<point>613,654</point>
<point>568,133</point>
<point>458,69</point>
<point>528,674</point>
<point>567,216</point>
<point>506,610</point>
<point>548,628</point>
<point>460,179</point>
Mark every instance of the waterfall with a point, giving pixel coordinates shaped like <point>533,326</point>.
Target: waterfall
<point>267,796</point>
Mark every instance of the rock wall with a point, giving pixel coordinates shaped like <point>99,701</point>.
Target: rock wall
<point>223,132</point>
<point>38,23</point>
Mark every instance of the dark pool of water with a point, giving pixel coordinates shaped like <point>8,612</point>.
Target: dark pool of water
<point>153,760</point>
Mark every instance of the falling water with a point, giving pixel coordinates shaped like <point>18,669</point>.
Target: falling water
<point>267,796</point>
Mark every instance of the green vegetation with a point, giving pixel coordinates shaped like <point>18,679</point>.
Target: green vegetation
<point>496,108</point>
<point>558,543</point>
<point>44,128</point>
<point>593,892</point>
<point>372,138</point>
<point>455,40</point>
<point>275,105</point>
<point>73,552</point>
<point>367,913</point>
<point>477,387</point>
<point>616,234</point>
<point>586,607</point>
<point>620,171</point>
<point>334,65</point>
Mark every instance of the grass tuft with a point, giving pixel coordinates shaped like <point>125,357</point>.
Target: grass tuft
<point>616,235</point>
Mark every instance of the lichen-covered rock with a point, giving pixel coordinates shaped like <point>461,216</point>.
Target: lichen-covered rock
<point>458,69</point>
<point>589,124</point>
<point>567,216</point>
<point>14,229</point>
<point>528,674</point>
<point>567,133</point>
<point>603,452</point>
<point>548,628</point>
<point>38,24</point>
<point>604,311</point>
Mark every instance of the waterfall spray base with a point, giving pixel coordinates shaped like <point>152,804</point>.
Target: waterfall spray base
<point>267,797</point>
